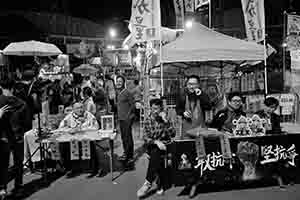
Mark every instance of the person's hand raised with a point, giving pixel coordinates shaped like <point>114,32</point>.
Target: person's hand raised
<point>3,110</point>
<point>187,114</point>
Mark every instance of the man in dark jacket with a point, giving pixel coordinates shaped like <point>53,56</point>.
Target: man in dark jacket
<point>192,104</point>
<point>234,109</point>
<point>125,114</point>
<point>268,113</point>
<point>12,129</point>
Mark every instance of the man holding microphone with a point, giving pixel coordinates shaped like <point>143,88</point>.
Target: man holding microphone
<point>191,105</point>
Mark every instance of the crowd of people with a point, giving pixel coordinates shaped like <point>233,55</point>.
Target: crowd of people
<point>98,96</point>
<point>82,105</point>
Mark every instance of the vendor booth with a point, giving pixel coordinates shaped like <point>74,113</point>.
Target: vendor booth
<point>216,157</point>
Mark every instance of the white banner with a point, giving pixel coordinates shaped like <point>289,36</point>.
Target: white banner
<point>145,19</point>
<point>295,59</point>
<point>293,32</point>
<point>179,13</point>
<point>189,5</point>
<point>254,15</point>
<point>200,3</point>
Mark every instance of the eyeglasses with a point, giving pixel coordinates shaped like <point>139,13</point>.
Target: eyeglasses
<point>236,100</point>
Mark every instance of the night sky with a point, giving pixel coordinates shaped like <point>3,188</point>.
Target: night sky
<point>96,10</point>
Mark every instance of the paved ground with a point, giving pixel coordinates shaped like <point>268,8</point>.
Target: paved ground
<point>126,185</point>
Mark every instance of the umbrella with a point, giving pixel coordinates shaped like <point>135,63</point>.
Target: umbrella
<point>85,70</point>
<point>31,48</point>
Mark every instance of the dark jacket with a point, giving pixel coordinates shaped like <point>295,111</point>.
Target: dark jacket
<point>275,122</point>
<point>204,103</point>
<point>221,117</point>
<point>125,105</point>
<point>16,121</point>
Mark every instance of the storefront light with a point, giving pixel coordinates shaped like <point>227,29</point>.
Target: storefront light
<point>189,24</point>
<point>126,47</point>
<point>112,33</point>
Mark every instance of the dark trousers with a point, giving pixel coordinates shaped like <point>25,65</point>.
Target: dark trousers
<point>18,157</point>
<point>126,136</point>
<point>156,166</point>
<point>97,155</point>
<point>4,163</point>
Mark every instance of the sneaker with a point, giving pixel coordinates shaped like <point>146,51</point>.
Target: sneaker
<point>160,192</point>
<point>2,194</point>
<point>122,158</point>
<point>144,189</point>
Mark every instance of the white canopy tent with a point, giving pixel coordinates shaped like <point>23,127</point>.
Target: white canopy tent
<point>202,44</point>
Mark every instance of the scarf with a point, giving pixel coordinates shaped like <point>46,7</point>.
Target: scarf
<point>192,103</point>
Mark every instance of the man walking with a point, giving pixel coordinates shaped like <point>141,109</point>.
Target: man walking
<point>13,127</point>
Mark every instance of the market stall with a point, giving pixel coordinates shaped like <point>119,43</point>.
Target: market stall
<point>215,156</point>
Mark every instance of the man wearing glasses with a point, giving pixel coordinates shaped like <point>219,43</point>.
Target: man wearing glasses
<point>234,110</point>
<point>192,106</point>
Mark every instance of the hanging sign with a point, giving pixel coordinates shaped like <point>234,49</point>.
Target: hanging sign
<point>189,5</point>
<point>201,3</point>
<point>254,16</point>
<point>293,31</point>
<point>145,19</point>
<point>179,13</point>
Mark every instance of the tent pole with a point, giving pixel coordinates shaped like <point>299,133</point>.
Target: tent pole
<point>283,49</point>
<point>209,13</point>
<point>161,64</point>
<point>265,67</point>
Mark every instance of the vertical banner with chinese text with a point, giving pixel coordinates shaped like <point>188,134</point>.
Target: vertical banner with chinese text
<point>179,13</point>
<point>145,19</point>
<point>201,3</point>
<point>293,31</point>
<point>254,15</point>
<point>295,71</point>
<point>189,6</point>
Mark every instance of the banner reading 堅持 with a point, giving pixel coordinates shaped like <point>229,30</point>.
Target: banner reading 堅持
<point>293,31</point>
<point>145,20</point>
<point>254,16</point>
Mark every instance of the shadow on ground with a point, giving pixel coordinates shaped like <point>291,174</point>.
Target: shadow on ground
<point>35,186</point>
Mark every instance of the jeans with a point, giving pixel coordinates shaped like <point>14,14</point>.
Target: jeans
<point>126,136</point>
<point>156,166</point>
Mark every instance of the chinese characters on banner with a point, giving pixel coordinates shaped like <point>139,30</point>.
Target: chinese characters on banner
<point>287,103</point>
<point>254,16</point>
<point>293,31</point>
<point>210,162</point>
<point>200,3</point>
<point>179,13</point>
<point>274,153</point>
<point>145,19</point>
<point>189,5</point>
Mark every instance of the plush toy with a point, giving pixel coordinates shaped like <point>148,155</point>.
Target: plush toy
<point>242,126</point>
<point>257,125</point>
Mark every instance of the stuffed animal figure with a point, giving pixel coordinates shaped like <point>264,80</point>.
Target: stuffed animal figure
<point>242,126</point>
